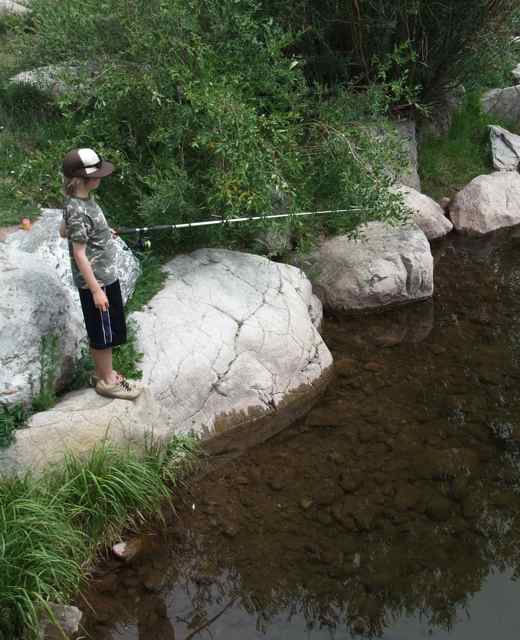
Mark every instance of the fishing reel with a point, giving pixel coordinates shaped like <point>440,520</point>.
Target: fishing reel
<point>142,243</point>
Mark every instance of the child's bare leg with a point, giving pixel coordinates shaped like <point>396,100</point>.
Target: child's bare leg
<point>103,362</point>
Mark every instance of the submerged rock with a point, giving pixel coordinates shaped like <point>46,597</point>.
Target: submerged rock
<point>385,266</point>
<point>487,203</point>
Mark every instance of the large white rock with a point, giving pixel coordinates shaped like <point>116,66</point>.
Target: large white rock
<point>230,335</point>
<point>503,103</point>
<point>231,339</point>
<point>34,304</point>
<point>11,7</point>
<point>426,213</point>
<point>385,266</point>
<point>44,240</point>
<point>38,300</point>
<point>505,149</point>
<point>80,421</point>
<point>487,203</point>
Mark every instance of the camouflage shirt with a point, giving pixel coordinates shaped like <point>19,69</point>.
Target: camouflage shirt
<point>86,224</point>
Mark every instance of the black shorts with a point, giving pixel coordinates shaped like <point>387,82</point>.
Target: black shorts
<point>105,329</point>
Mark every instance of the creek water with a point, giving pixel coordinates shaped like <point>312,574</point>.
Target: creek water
<point>391,510</point>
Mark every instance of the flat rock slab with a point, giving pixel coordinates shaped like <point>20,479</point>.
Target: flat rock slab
<point>385,266</point>
<point>487,203</point>
<point>426,213</point>
<point>503,103</point>
<point>231,336</point>
<point>230,340</point>
<point>76,424</point>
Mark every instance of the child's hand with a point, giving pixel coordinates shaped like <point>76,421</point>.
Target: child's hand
<point>100,300</point>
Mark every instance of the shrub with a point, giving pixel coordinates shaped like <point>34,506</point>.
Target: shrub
<point>204,112</point>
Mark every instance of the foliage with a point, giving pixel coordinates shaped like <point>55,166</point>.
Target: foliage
<point>11,418</point>
<point>203,111</point>
<point>50,527</point>
<point>448,163</point>
<point>46,396</point>
<point>338,40</point>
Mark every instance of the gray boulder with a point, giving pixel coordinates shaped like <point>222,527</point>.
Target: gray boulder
<point>426,213</point>
<point>487,203</point>
<point>44,240</point>
<point>53,79</point>
<point>385,266</point>
<point>39,300</point>
<point>503,103</point>
<point>410,175</point>
<point>34,304</point>
<point>230,339</point>
<point>516,74</point>
<point>505,149</point>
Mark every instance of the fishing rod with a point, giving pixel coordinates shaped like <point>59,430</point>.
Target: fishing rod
<point>141,231</point>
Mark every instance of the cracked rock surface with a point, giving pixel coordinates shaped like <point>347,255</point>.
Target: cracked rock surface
<point>385,266</point>
<point>231,337</point>
<point>487,203</point>
<point>39,299</point>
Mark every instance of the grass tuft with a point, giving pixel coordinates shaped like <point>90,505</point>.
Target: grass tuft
<point>448,163</point>
<point>52,527</point>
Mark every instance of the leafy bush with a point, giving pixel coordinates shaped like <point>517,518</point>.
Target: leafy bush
<point>205,113</point>
<point>339,40</point>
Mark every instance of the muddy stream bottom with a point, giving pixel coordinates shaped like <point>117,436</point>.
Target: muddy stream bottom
<point>392,510</point>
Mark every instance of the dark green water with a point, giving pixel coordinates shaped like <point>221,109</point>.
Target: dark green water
<point>392,510</point>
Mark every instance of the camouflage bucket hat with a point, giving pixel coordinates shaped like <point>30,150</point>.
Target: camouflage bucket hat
<point>86,163</point>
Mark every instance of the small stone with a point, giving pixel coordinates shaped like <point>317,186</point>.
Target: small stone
<point>346,367</point>
<point>154,581</point>
<point>335,457</point>
<point>305,503</point>
<point>230,531</point>
<point>375,367</point>
<point>275,484</point>
<point>440,509</point>
<point>437,349</point>
<point>127,550</point>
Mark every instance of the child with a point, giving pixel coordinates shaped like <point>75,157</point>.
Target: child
<point>92,253</point>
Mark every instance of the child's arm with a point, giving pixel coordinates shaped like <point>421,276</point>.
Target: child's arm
<point>79,251</point>
<point>63,229</point>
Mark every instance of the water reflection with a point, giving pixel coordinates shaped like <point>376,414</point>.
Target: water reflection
<point>383,513</point>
